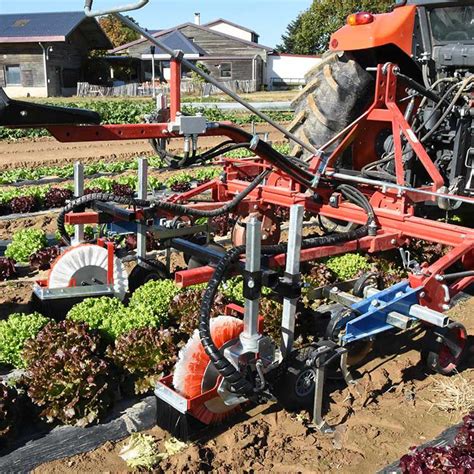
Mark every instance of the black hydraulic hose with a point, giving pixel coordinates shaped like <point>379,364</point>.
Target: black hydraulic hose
<point>218,147</point>
<point>177,209</point>
<point>237,382</point>
<point>265,150</point>
<point>419,88</point>
<point>182,161</point>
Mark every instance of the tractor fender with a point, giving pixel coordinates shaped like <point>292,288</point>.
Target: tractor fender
<point>394,28</point>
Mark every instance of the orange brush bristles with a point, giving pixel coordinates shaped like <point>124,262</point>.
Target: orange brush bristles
<point>193,361</point>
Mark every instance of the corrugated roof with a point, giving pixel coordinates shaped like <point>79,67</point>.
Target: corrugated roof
<point>51,26</point>
<point>39,24</point>
<point>183,25</point>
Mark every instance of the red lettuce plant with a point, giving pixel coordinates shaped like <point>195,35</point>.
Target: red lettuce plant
<point>458,458</point>
<point>23,204</point>
<point>423,251</point>
<point>185,308</point>
<point>57,197</point>
<point>43,258</point>
<point>9,413</point>
<point>66,376</point>
<point>92,191</point>
<point>131,242</point>
<point>122,190</point>
<point>222,224</point>
<point>271,311</point>
<point>145,354</point>
<point>180,187</point>
<point>7,268</point>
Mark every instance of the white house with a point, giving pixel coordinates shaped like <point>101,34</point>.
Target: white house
<point>231,29</point>
<point>288,69</point>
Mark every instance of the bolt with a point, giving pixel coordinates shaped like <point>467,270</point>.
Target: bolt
<point>251,283</point>
<point>255,206</point>
<point>334,289</point>
<point>393,242</point>
<point>422,294</point>
<point>375,303</point>
<point>446,307</point>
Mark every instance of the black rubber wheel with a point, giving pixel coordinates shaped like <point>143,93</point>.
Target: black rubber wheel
<point>445,348</point>
<point>328,225</point>
<point>338,90</point>
<point>369,279</point>
<point>294,389</point>
<point>356,351</point>
<point>145,272</point>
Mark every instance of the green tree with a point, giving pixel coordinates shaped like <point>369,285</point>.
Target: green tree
<point>117,32</point>
<point>196,77</point>
<point>309,33</point>
<point>288,44</point>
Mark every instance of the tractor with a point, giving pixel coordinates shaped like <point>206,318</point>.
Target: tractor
<point>432,44</point>
<point>382,154</point>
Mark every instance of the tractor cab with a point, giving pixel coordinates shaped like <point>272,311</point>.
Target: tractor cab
<point>444,38</point>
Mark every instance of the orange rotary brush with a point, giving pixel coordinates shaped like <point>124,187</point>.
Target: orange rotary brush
<point>193,374</point>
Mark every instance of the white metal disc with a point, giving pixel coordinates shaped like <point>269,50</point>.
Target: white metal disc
<point>87,260</point>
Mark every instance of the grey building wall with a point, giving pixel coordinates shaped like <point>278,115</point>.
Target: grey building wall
<point>64,65</point>
<point>246,59</point>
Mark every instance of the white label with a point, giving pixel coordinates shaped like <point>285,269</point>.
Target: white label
<point>412,135</point>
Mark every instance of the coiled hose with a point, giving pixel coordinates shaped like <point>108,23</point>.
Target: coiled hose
<point>239,384</point>
<point>177,209</point>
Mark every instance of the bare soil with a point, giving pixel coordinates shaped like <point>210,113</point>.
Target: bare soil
<point>44,221</point>
<point>390,409</point>
<point>49,152</point>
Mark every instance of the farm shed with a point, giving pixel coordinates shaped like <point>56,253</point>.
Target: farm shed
<point>227,56</point>
<point>43,54</point>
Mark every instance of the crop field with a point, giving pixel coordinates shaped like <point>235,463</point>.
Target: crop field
<point>112,351</point>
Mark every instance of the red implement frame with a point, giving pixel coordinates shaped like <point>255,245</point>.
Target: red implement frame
<point>394,210</point>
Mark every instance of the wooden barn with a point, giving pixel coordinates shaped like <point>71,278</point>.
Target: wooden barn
<point>44,54</point>
<point>226,50</point>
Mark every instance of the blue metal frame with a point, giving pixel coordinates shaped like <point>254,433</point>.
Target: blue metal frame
<point>374,310</point>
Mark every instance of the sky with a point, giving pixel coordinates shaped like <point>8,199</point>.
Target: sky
<point>269,18</point>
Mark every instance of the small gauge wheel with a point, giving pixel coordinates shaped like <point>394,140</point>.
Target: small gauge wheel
<point>445,348</point>
<point>356,351</point>
<point>144,272</point>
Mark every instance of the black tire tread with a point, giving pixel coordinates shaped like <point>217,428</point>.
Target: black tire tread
<point>337,90</point>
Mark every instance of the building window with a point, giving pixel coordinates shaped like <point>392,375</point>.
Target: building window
<point>13,75</point>
<point>226,70</point>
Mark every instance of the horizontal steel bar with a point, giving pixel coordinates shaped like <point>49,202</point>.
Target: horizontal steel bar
<point>398,187</point>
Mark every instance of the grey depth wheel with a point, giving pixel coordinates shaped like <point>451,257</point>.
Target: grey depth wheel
<point>145,272</point>
<point>295,387</point>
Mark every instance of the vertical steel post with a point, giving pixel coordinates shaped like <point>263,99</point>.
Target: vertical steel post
<point>175,87</point>
<point>78,192</point>
<point>152,51</point>
<point>142,194</point>
<point>291,271</point>
<point>250,335</point>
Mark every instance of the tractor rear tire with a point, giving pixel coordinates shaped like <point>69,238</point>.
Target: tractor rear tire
<point>338,90</point>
